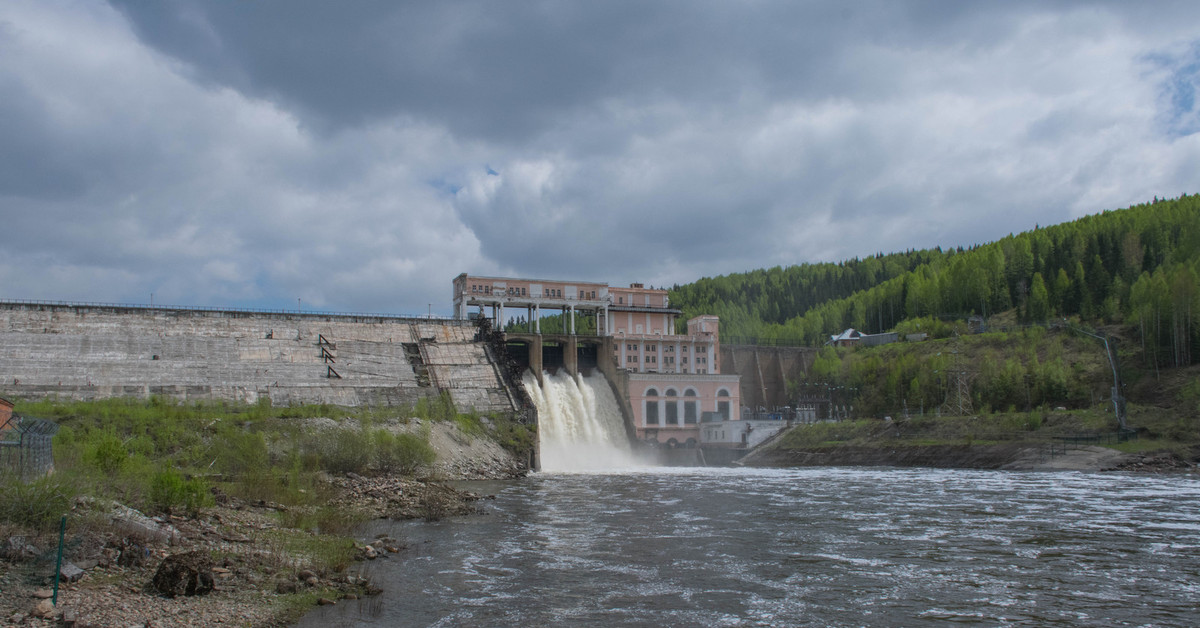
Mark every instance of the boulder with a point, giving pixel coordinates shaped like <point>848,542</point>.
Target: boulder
<point>17,549</point>
<point>69,572</point>
<point>43,609</point>
<point>133,523</point>
<point>189,573</point>
<point>305,574</point>
<point>131,554</point>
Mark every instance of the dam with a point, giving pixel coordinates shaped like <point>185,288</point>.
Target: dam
<point>675,386</point>
<point>93,351</point>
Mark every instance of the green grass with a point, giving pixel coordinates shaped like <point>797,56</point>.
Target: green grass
<point>1039,426</point>
<point>1148,445</point>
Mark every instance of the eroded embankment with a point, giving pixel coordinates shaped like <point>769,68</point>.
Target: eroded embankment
<point>943,456</point>
<point>1007,456</point>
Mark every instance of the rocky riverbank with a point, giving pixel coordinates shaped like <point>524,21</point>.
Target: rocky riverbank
<point>1007,456</point>
<point>261,573</point>
<point>259,576</point>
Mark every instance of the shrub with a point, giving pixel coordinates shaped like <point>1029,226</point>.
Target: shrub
<point>346,451</point>
<point>107,452</point>
<point>518,438</point>
<point>470,424</point>
<point>440,408</point>
<point>337,520</point>
<point>401,453</point>
<point>169,491</point>
<point>242,452</point>
<point>37,504</point>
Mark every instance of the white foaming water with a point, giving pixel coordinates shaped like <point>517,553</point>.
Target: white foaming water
<point>580,427</point>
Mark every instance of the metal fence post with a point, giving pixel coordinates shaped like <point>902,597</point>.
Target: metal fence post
<point>62,530</point>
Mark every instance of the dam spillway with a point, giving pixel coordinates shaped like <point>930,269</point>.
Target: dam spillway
<point>580,424</point>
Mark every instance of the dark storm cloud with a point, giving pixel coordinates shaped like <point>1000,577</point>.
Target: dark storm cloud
<point>508,71</point>
<point>357,156</point>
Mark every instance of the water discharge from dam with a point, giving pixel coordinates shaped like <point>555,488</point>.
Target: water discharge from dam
<point>720,547</point>
<point>580,427</point>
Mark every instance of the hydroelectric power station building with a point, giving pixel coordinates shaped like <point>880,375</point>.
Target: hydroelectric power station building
<point>673,380</point>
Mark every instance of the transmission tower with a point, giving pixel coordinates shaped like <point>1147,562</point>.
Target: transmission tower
<point>958,397</point>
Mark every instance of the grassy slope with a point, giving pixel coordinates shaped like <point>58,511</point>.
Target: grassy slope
<point>1164,405</point>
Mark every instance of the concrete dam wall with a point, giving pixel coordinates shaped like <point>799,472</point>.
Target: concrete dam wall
<point>766,371</point>
<point>94,351</point>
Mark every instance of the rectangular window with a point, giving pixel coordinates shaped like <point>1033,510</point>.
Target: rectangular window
<point>672,417</point>
<point>689,412</point>
<point>651,413</point>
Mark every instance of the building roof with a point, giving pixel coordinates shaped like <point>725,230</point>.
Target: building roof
<point>849,334</point>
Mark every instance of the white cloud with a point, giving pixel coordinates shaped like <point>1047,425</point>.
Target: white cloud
<point>182,149</point>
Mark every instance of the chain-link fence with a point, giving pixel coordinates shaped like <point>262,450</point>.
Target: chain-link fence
<point>25,446</point>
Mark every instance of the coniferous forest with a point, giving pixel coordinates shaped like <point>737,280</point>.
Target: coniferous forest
<point>1138,267</point>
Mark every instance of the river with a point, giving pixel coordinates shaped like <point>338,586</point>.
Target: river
<point>798,547</point>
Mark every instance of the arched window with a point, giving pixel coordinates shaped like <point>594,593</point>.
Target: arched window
<point>691,407</point>
<point>671,408</point>
<point>723,404</point>
<point>651,412</point>
<point>653,392</point>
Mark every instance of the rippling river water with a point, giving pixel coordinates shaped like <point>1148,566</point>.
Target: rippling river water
<point>799,547</point>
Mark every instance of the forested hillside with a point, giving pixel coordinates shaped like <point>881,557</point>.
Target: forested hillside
<point>1139,266</point>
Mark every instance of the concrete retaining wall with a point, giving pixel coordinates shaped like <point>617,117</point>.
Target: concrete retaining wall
<point>88,352</point>
<point>766,371</point>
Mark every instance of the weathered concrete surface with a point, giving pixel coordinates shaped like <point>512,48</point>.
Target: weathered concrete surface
<point>765,371</point>
<point>89,352</point>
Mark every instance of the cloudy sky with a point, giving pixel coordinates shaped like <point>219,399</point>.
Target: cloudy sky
<point>356,156</point>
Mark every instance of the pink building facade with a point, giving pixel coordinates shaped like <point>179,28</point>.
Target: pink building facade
<point>670,408</point>
<point>675,380</point>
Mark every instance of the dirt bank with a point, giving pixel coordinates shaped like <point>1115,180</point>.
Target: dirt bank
<point>1010,456</point>
<point>1013,456</point>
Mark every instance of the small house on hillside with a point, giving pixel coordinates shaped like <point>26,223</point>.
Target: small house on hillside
<point>847,338</point>
<point>852,337</point>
